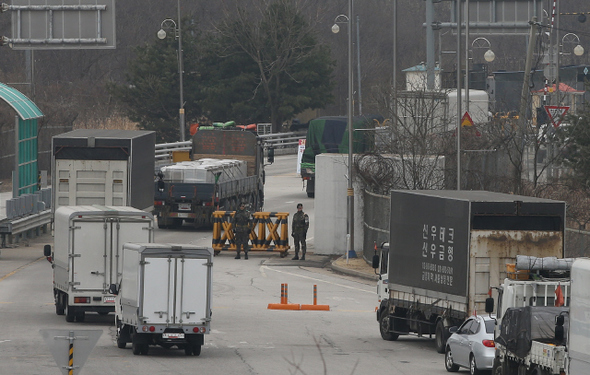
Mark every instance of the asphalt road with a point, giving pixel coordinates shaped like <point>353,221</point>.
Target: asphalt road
<point>247,337</point>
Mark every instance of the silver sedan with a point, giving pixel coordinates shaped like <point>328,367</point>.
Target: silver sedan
<point>471,345</point>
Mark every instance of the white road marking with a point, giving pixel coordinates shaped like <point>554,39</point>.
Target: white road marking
<point>319,280</point>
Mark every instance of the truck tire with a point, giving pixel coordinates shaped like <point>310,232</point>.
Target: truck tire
<point>137,344</point>
<point>120,336</point>
<point>193,346</point>
<point>441,337</point>
<point>59,303</point>
<point>70,312</point>
<point>384,328</point>
<point>80,316</point>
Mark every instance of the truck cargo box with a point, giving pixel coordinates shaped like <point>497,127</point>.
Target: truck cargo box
<point>164,296</point>
<point>87,254</point>
<point>454,244</point>
<point>104,167</point>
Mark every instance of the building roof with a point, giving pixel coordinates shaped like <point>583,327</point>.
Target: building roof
<point>562,87</point>
<point>24,107</point>
<point>419,68</point>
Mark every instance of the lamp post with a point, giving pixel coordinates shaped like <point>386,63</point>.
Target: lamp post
<point>350,191</point>
<point>571,39</point>
<point>483,43</point>
<point>170,24</point>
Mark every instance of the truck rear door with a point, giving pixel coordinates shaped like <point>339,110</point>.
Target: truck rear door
<point>125,230</point>
<point>192,285</point>
<point>90,255</point>
<point>88,182</point>
<point>175,290</point>
<point>97,247</point>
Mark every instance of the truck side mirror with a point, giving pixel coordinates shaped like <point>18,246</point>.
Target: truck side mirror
<point>113,289</point>
<point>271,155</point>
<point>375,261</point>
<point>47,250</point>
<point>489,305</point>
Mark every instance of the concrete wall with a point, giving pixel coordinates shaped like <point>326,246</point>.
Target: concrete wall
<point>330,224</point>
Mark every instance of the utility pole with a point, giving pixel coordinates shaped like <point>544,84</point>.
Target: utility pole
<point>524,96</point>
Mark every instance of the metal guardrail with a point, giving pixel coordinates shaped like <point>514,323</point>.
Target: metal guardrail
<point>25,224</point>
<point>278,141</point>
<point>25,213</point>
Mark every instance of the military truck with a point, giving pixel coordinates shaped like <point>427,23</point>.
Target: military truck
<point>227,168</point>
<point>330,135</point>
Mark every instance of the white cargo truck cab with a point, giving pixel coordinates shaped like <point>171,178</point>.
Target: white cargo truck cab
<point>86,258</point>
<point>533,317</point>
<point>164,297</point>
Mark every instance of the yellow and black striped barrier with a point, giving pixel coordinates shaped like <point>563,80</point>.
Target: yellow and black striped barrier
<point>270,232</point>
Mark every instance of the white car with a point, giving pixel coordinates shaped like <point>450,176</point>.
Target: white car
<point>471,345</point>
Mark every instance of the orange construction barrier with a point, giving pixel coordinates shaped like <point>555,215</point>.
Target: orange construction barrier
<point>284,305</point>
<point>315,305</point>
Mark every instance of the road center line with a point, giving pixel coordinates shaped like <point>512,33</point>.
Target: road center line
<point>20,268</point>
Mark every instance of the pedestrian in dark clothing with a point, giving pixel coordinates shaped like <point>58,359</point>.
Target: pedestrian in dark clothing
<point>299,231</point>
<point>241,226</point>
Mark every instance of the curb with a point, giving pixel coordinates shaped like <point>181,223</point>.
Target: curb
<point>350,272</point>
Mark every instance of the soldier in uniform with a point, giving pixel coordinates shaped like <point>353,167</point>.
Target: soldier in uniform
<point>299,231</point>
<point>241,226</point>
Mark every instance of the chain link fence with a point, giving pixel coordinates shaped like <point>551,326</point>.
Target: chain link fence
<point>376,215</point>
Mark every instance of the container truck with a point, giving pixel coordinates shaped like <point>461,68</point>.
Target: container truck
<point>227,168</point>
<point>86,257</point>
<point>104,167</point>
<point>164,297</point>
<point>330,135</point>
<point>447,247</point>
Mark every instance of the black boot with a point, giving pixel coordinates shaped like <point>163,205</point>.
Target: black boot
<point>303,256</point>
<point>296,257</point>
<point>237,256</point>
<point>245,255</point>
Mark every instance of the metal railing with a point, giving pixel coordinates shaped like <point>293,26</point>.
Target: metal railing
<point>26,213</point>
<point>283,143</point>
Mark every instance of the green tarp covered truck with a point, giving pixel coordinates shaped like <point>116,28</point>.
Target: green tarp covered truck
<point>330,135</point>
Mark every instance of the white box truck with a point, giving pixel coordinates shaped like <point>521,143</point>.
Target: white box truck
<point>86,256</point>
<point>579,318</point>
<point>164,297</point>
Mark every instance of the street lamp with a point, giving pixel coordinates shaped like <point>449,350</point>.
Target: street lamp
<point>170,24</point>
<point>571,38</point>
<point>483,43</point>
<point>342,18</point>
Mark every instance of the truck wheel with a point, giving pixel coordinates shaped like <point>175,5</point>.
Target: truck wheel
<point>135,345</point>
<point>473,366</point>
<point>310,195</point>
<point>449,363</point>
<point>59,303</point>
<point>384,328</point>
<point>70,313</point>
<point>121,342</point>
<point>441,337</point>
<point>196,349</point>
<point>145,349</point>
<point>80,316</point>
